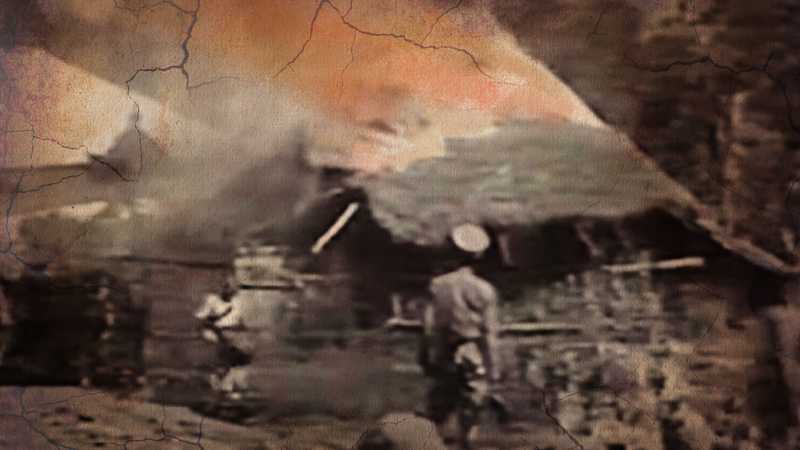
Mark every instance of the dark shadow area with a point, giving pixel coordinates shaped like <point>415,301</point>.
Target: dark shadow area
<point>72,329</point>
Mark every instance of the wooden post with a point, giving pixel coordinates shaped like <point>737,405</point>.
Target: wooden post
<point>670,264</point>
<point>335,228</point>
<point>508,328</point>
<point>504,243</point>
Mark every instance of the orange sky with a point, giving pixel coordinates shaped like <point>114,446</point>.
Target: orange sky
<point>372,61</point>
<point>471,63</point>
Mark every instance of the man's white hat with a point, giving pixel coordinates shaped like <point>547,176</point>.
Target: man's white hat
<point>470,238</point>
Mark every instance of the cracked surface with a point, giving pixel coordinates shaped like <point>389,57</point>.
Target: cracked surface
<point>130,99</point>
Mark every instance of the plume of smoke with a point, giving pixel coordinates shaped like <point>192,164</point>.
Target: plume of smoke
<point>211,162</point>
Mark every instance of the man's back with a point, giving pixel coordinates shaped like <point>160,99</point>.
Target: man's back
<point>461,302</point>
<point>463,308</point>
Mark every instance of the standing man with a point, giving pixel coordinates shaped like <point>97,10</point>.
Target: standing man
<point>459,344</point>
<point>223,324</point>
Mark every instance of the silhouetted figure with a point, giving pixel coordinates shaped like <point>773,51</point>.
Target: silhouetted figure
<point>459,346</point>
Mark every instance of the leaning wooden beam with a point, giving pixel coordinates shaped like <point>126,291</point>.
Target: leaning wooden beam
<point>540,328</point>
<point>747,250</point>
<point>670,264</point>
<point>335,228</point>
<point>508,328</point>
<point>706,219</point>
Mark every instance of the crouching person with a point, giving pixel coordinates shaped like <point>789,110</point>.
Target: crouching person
<point>222,323</point>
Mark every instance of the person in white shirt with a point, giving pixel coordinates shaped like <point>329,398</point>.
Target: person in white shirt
<point>223,324</point>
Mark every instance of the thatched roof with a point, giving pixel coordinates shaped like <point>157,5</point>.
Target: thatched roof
<point>524,173</point>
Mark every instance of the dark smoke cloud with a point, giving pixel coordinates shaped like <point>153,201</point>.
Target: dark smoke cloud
<point>213,183</point>
<point>196,171</point>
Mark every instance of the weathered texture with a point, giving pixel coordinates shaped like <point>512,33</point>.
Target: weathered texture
<point>523,174</point>
<point>706,88</point>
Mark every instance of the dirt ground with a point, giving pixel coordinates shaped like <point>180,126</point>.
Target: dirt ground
<point>74,418</point>
<point>45,418</point>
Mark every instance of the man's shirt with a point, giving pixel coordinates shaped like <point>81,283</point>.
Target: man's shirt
<point>463,305</point>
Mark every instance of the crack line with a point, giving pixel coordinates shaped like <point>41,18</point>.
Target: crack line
<point>397,36</point>
<point>436,22</point>
<point>137,11</point>
<point>708,59</point>
<point>349,63</point>
<point>181,66</point>
<point>597,22</point>
<point>548,413</point>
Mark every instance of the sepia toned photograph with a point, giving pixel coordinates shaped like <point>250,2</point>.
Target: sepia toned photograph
<point>400,224</point>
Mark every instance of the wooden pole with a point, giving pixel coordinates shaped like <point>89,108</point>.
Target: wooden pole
<point>508,328</point>
<point>670,264</point>
<point>335,228</point>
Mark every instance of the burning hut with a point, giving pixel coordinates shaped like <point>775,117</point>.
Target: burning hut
<point>522,181</point>
<point>590,234</point>
<point>522,174</point>
<point>558,199</point>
